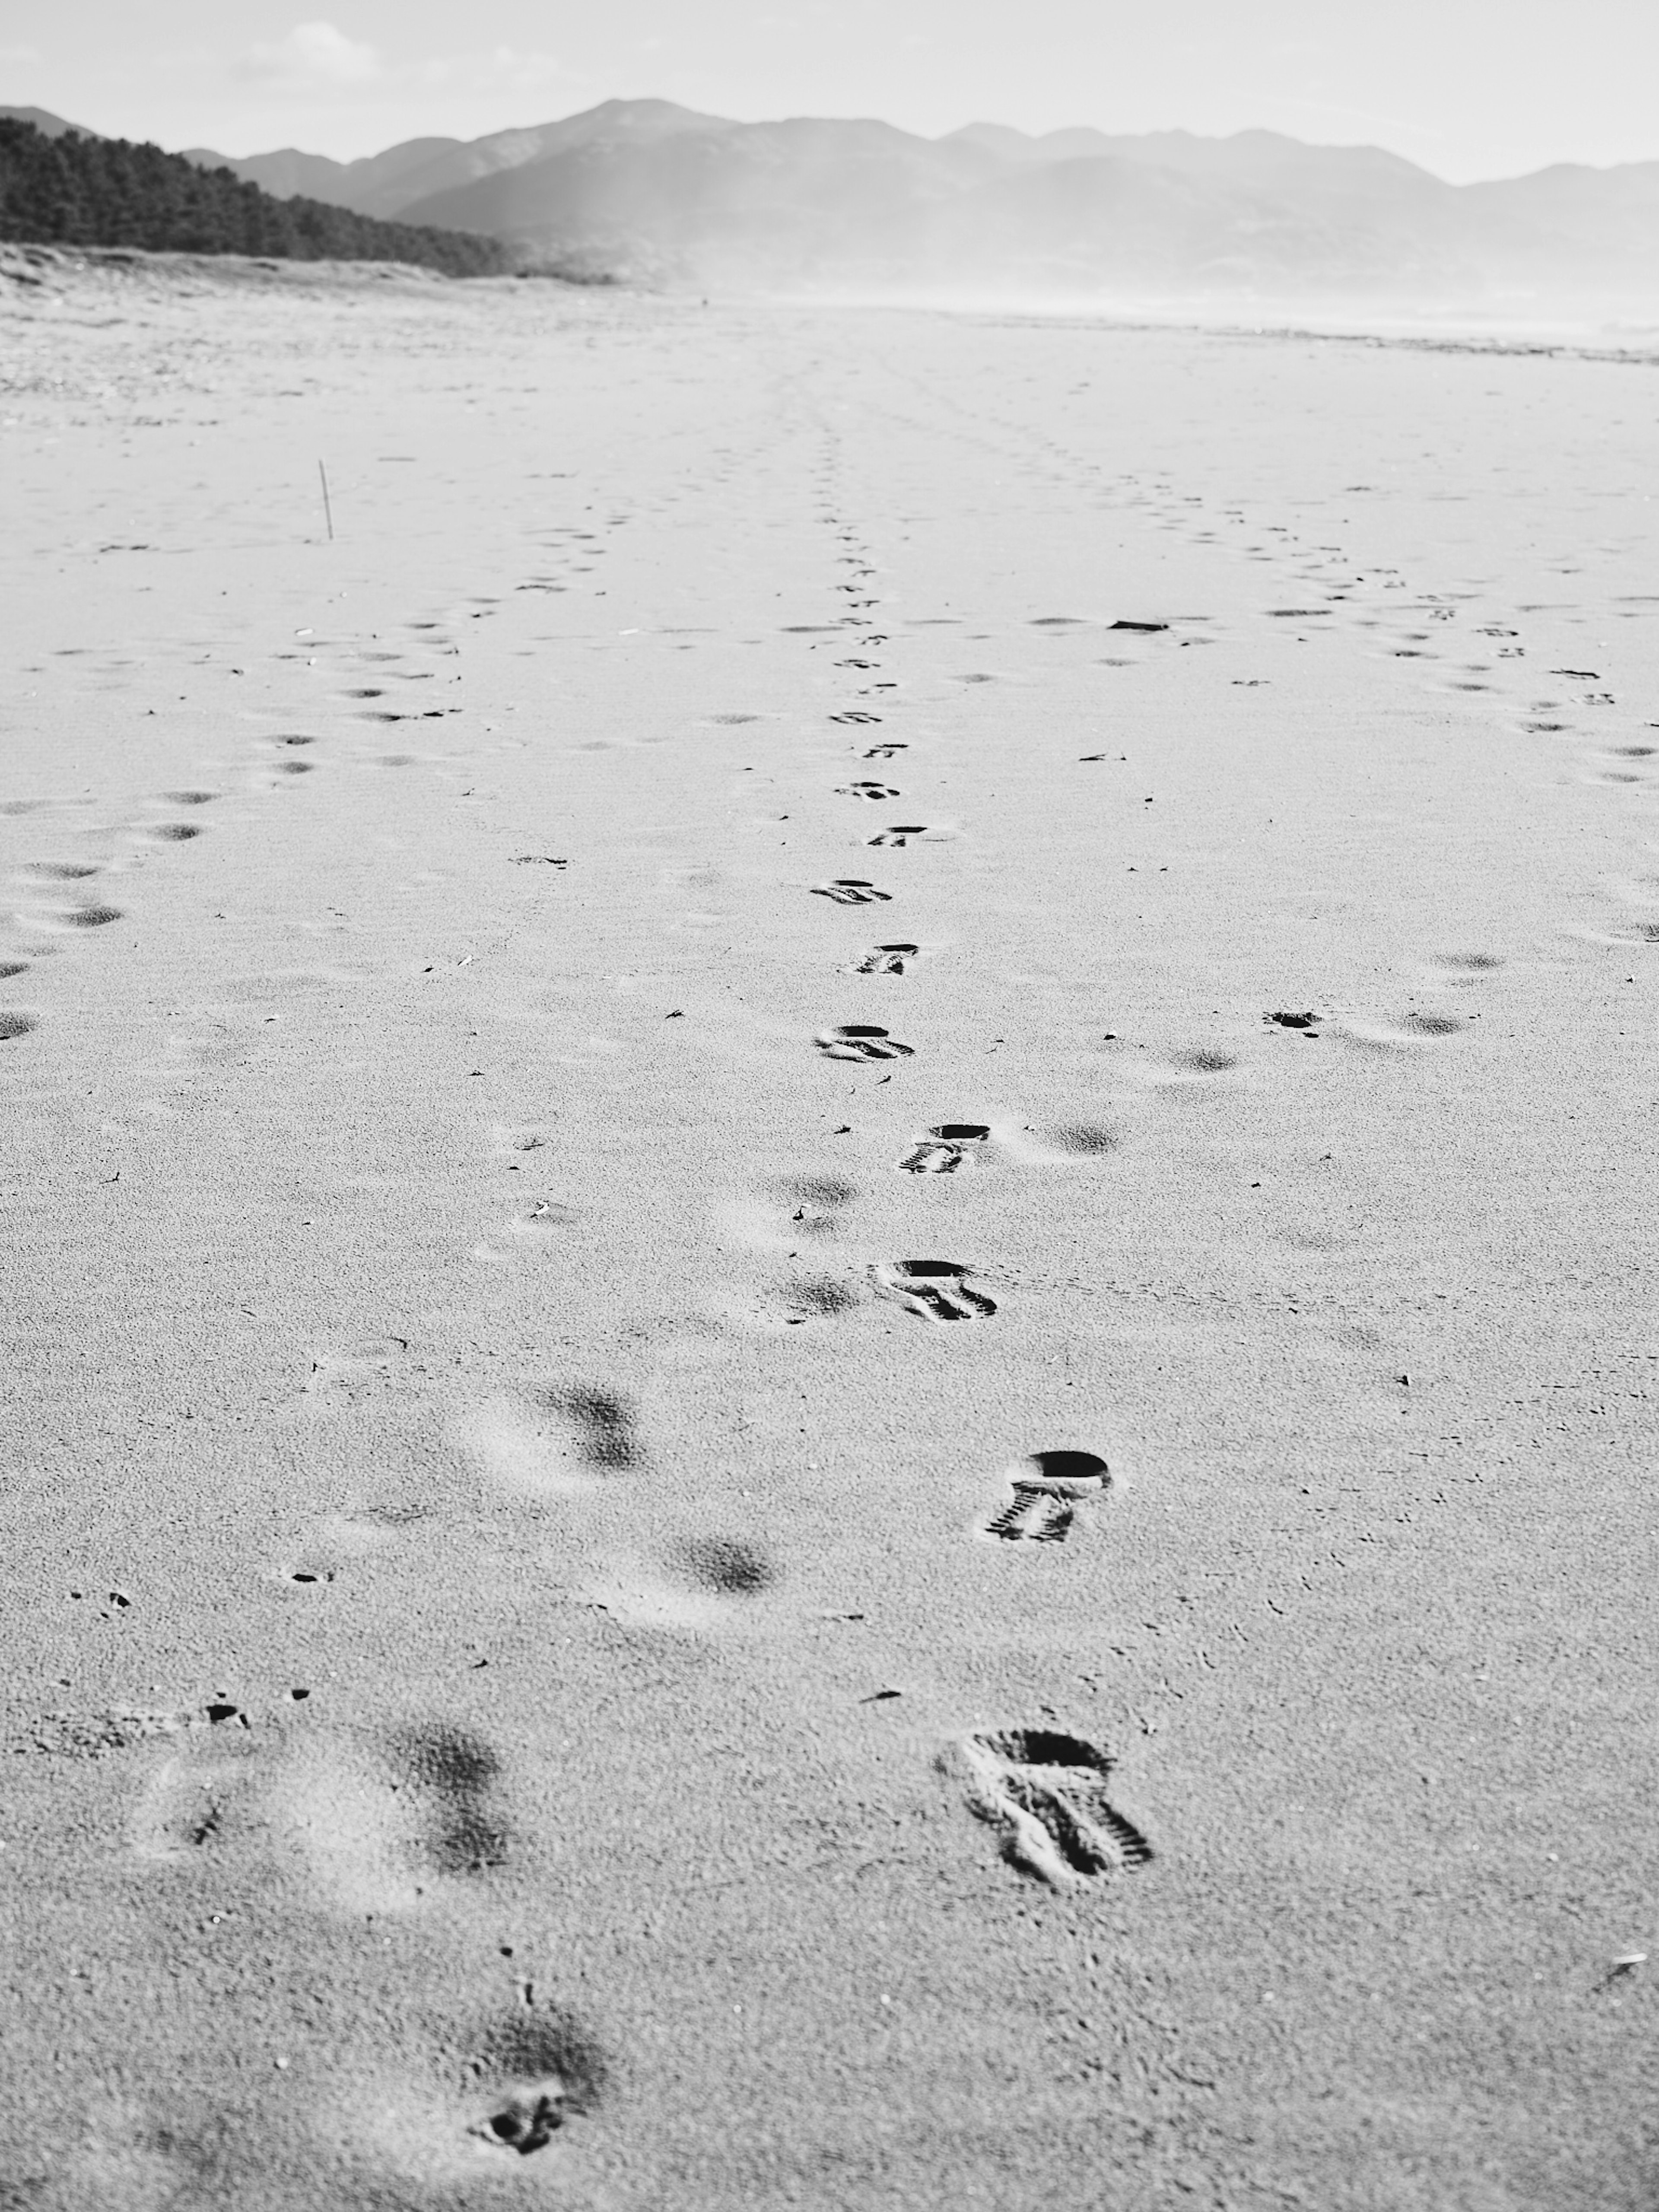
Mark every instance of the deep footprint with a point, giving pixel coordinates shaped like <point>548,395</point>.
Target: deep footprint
<point>861,1041</point>
<point>886,959</point>
<point>935,1289</point>
<point>944,1149</point>
<point>1046,1793</point>
<point>1046,1488</point>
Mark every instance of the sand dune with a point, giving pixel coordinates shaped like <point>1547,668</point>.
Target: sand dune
<point>832,1364</point>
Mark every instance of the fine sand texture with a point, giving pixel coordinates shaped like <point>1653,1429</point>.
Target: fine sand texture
<point>830,1263</point>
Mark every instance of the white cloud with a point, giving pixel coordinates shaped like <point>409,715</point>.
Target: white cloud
<point>316,54</point>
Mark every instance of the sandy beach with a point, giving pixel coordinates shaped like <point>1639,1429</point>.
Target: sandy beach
<point>830,1258</point>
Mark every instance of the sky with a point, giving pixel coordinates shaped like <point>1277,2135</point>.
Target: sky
<point>1467,88</point>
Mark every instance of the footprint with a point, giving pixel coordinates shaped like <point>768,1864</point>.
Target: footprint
<point>175,833</point>
<point>866,791</point>
<point>1306,1023</point>
<point>944,1149</point>
<point>898,833</point>
<point>15,1025</point>
<point>885,960</point>
<point>728,1564</point>
<point>605,1421</point>
<point>182,1810</point>
<point>351,1368</point>
<point>1205,1060</point>
<point>849,890</point>
<point>861,1041</point>
<point>377,1824</point>
<point>191,798</point>
<point>885,752</point>
<point>1433,1025</point>
<point>547,2071</point>
<point>63,872</point>
<point>91,917</point>
<point>1046,1793</point>
<point>936,1290</point>
<point>1046,1488</point>
<point>1085,1140</point>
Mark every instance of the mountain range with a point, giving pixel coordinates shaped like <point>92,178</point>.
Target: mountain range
<point>659,191</point>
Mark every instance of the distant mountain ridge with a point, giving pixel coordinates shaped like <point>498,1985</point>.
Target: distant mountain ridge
<point>648,188</point>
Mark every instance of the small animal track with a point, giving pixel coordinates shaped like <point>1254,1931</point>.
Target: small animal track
<point>1046,1488</point>
<point>944,1149</point>
<point>867,791</point>
<point>1045,1793</point>
<point>886,960</point>
<point>935,1289</point>
<point>850,890</point>
<point>861,1041</point>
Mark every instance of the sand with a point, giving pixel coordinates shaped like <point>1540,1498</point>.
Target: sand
<point>544,1662</point>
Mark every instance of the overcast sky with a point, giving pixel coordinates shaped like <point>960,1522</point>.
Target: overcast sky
<point>1467,88</point>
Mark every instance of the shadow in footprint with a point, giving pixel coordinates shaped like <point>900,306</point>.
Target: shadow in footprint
<point>935,1289</point>
<point>849,890</point>
<point>175,833</point>
<point>15,1025</point>
<point>944,1149</point>
<point>1045,1793</point>
<point>91,917</point>
<point>898,833</point>
<point>1047,1489</point>
<point>1431,1025</point>
<point>861,1041</point>
<point>886,960</point>
<point>605,1421</point>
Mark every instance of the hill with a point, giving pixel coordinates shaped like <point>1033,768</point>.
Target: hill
<point>644,184</point>
<point>68,189</point>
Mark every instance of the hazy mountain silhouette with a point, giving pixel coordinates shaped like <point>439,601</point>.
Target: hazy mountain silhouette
<point>652,188</point>
<point>48,124</point>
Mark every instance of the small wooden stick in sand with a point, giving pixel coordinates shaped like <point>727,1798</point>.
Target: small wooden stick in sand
<point>328,509</point>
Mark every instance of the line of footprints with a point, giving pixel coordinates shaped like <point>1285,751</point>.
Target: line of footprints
<point>1044,1792</point>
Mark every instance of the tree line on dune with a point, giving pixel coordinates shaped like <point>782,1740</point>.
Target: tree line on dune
<point>73,191</point>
